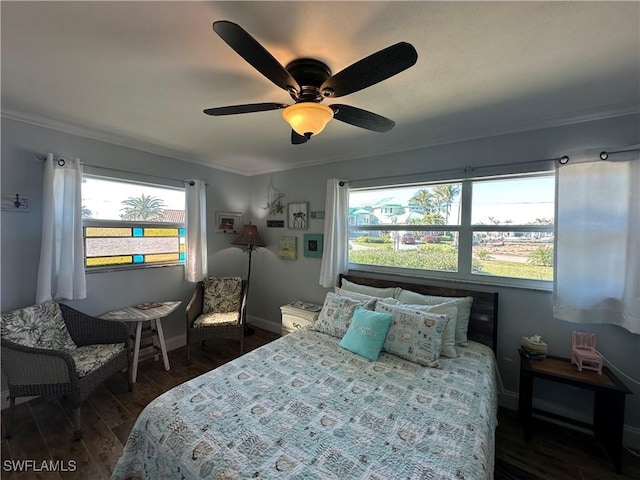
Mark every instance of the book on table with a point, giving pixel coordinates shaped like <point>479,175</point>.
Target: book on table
<point>532,355</point>
<point>310,307</point>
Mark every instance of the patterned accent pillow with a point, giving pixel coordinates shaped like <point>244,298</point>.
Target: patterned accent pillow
<point>414,335</point>
<point>448,348</point>
<point>222,294</point>
<point>37,326</point>
<point>463,304</point>
<point>366,333</point>
<point>336,313</point>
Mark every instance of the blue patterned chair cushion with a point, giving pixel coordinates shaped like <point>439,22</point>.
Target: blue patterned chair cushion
<point>37,326</point>
<point>222,294</point>
<point>91,357</point>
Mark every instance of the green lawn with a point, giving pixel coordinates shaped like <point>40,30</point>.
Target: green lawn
<point>514,269</point>
<point>444,258</point>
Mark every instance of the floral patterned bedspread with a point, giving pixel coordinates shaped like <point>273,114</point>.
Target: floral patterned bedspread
<point>301,407</point>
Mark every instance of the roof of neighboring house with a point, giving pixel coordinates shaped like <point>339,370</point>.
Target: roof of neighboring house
<point>389,201</point>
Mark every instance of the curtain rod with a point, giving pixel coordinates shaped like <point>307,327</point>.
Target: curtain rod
<point>563,160</point>
<point>61,162</point>
<point>468,169</point>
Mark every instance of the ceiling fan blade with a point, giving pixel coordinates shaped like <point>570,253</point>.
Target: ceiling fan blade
<point>258,57</point>
<point>362,118</point>
<point>371,70</point>
<point>297,139</point>
<point>247,108</point>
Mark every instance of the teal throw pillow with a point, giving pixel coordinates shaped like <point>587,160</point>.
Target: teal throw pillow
<point>366,333</point>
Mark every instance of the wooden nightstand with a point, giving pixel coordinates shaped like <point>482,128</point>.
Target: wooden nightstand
<point>294,317</point>
<point>609,391</point>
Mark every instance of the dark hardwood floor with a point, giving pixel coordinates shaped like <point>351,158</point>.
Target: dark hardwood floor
<point>42,428</point>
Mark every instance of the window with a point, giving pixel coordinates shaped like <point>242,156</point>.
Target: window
<point>472,229</point>
<point>127,224</point>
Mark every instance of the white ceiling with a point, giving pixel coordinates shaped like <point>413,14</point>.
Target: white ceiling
<point>140,73</point>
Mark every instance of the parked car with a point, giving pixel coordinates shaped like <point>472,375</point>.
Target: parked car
<point>408,238</point>
<point>431,239</point>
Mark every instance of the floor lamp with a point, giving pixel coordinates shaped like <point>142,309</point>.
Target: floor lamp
<point>249,240</point>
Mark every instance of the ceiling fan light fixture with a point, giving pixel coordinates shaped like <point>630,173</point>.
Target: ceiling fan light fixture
<point>307,118</point>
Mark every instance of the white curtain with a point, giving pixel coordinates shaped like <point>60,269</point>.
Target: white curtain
<point>336,239</point>
<point>61,268</point>
<point>597,245</point>
<point>196,234</point>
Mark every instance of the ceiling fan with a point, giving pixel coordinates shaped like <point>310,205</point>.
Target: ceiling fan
<point>310,81</point>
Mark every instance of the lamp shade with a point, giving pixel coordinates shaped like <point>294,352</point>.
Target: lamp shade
<point>307,117</point>
<point>249,237</point>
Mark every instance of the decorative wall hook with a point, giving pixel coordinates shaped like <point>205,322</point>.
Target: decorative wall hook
<point>15,203</point>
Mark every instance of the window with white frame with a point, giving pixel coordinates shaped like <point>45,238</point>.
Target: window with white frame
<point>130,224</point>
<point>476,229</point>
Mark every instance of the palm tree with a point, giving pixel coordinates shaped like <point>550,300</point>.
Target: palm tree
<point>142,208</point>
<point>86,212</point>
<point>424,198</point>
<point>445,196</point>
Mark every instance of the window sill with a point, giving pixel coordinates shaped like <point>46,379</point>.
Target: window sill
<point>122,268</point>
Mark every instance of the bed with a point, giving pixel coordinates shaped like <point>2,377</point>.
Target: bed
<point>303,407</point>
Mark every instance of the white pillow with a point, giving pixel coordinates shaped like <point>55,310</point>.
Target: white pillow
<point>368,290</point>
<point>361,296</point>
<point>414,335</point>
<point>449,309</point>
<point>463,304</point>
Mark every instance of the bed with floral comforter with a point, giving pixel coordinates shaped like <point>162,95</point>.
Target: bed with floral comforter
<point>302,407</point>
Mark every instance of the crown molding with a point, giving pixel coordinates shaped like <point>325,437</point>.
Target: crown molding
<point>113,138</point>
<point>550,121</point>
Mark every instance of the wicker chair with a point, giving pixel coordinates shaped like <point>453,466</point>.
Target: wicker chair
<point>217,309</point>
<point>55,364</point>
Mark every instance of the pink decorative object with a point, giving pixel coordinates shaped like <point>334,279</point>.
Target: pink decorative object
<point>583,352</point>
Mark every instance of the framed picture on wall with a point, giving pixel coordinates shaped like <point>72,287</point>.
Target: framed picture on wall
<point>288,248</point>
<point>313,244</point>
<point>298,216</point>
<point>228,222</point>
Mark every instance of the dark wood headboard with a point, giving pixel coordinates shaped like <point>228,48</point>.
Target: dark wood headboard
<point>483,320</point>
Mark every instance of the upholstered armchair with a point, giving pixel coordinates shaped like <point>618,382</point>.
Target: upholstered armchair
<point>217,310</point>
<point>52,349</point>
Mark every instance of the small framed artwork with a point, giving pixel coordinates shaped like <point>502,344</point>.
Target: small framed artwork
<point>298,215</point>
<point>313,244</point>
<point>317,215</point>
<point>288,247</point>
<point>228,222</point>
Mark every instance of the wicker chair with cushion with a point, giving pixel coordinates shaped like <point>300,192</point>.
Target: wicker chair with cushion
<point>52,349</point>
<point>217,310</point>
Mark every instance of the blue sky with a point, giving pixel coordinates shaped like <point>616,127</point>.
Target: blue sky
<point>103,197</point>
<point>520,200</point>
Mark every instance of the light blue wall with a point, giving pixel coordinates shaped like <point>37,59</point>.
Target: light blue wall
<point>276,282</point>
<point>22,173</point>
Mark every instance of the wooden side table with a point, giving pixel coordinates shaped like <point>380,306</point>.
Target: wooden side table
<point>140,314</point>
<point>294,316</point>
<point>609,400</point>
